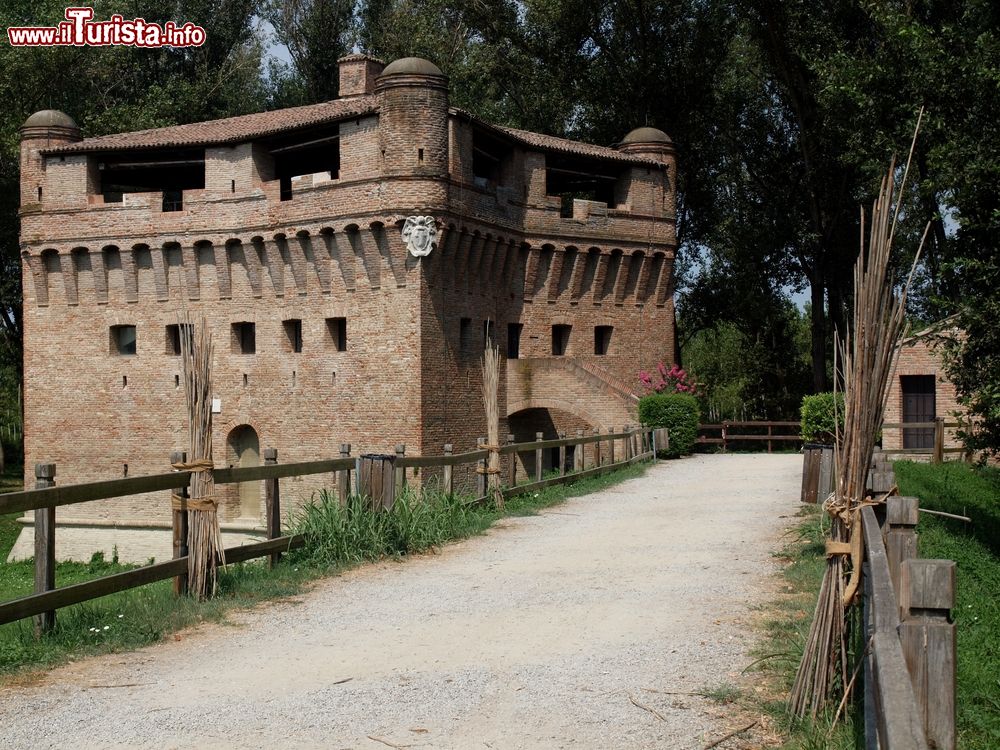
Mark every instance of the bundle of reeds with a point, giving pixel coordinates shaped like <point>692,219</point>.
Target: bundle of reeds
<point>205,549</point>
<point>491,401</point>
<point>865,359</point>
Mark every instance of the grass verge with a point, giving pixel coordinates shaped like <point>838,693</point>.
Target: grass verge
<point>962,489</point>
<point>785,624</point>
<point>338,539</point>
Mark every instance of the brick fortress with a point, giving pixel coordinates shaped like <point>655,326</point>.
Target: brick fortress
<point>285,231</point>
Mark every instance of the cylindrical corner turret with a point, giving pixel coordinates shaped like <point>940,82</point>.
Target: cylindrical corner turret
<point>649,142</point>
<point>45,129</point>
<point>413,115</point>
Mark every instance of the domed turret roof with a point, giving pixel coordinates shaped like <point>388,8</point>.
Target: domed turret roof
<point>50,118</point>
<point>646,135</point>
<point>412,66</point>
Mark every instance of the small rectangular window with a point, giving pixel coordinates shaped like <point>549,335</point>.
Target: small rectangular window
<point>174,333</point>
<point>337,330</point>
<point>173,200</point>
<point>123,342</point>
<point>244,339</point>
<point>285,188</point>
<point>514,340</point>
<point>602,339</point>
<point>560,339</point>
<point>465,334</point>
<point>293,333</point>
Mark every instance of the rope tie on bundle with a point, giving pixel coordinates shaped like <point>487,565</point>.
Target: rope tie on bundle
<point>850,515</point>
<point>491,449</point>
<point>179,502</point>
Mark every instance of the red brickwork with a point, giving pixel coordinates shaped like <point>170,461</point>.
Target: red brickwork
<point>921,356</point>
<point>238,253</point>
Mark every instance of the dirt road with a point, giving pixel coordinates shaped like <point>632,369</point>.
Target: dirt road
<point>533,636</point>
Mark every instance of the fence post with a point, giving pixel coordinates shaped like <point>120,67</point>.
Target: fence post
<point>480,470</point>
<point>769,437</point>
<point>272,504</point>
<point>448,473</point>
<point>597,448</point>
<point>578,462</point>
<point>901,536</point>
<point>513,462</point>
<point>45,547</point>
<point>627,443</point>
<point>562,455</point>
<point>344,475</point>
<point>179,527</point>
<point>538,457</point>
<point>938,440</point>
<point>652,440</point>
<point>400,469</point>
<point>611,445</point>
<point>928,639</point>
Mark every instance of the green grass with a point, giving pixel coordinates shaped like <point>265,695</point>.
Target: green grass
<point>785,624</point>
<point>958,488</point>
<point>338,539</point>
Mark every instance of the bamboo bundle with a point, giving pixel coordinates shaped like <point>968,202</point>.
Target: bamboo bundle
<point>491,401</point>
<point>864,361</point>
<point>204,536</point>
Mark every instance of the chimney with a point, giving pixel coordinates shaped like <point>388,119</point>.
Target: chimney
<point>358,74</point>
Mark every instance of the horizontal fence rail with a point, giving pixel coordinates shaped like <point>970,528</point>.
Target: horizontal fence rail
<point>348,475</point>
<point>727,436</point>
<point>910,657</point>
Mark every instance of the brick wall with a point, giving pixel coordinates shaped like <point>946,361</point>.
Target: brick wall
<point>237,253</point>
<point>921,356</point>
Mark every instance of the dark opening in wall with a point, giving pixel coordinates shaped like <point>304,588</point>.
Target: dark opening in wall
<point>293,335</point>
<point>174,333</point>
<point>169,172</point>
<point>465,334</point>
<point>573,177</point>
<point>244,339</point>
<point>560,339</point>
<point>602,339</point>
<point>337,331</point>
<point>514,340</point>
<point>490,159</point>
<point>39,194</point>
<point>305,152</point>
<point>123,340</point>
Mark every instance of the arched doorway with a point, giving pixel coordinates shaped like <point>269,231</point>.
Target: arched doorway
<point>243,449</point>
<point>526,423</point>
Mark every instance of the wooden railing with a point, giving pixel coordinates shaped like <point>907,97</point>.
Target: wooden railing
<point>938,450</point>
<point>727,436</point>
<point>632,444</point>
<point>909,668</point>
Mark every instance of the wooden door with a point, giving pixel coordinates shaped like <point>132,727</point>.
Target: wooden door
<point>918,406</point>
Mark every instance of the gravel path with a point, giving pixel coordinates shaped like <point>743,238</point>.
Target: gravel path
<point>533,636</point>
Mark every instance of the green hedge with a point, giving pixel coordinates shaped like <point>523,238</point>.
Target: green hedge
<point>678,412</point>
<point>819,420</point>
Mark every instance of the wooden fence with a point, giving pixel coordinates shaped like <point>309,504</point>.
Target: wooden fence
<point>937,451</point>
<point>632,444</point>
<point>726,435</point>
<point>909,661</point>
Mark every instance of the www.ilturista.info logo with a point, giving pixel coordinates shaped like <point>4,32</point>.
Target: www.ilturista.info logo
<point>78,30</point>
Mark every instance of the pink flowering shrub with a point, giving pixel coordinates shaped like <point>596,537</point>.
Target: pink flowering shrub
<point>674,380</point>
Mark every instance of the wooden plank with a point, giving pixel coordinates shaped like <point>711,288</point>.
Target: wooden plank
<point>28,606</point>
<point>179,530</point>
<point>344,475</point>
<point>928,642</point>
<point>885,608</point>
<point>53,497</point>
<point>272,504</point>
<point>899,720</point>
<point>538,457</point>
<point>45,548</point>
<point>304,468</point>
<point>790,438</point>
<point>810,475</point>
<point>447,478</point>
<point>900,537</point>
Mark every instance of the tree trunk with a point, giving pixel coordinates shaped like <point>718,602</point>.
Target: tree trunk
<point>818,330</point>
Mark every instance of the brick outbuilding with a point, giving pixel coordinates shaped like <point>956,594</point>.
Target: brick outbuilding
<point>920,392</point>
<point>351,258</point>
